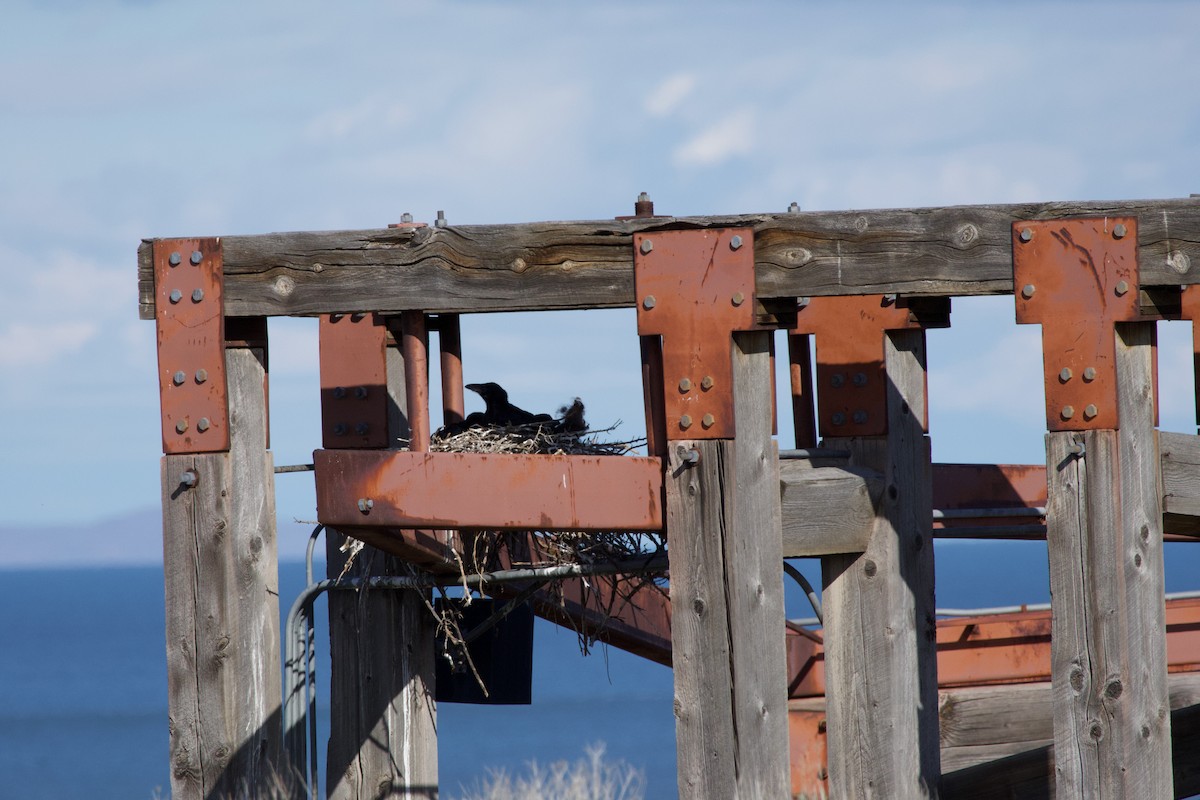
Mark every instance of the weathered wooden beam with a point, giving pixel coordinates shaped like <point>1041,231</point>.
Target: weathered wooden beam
<point>827,509</point>
<point>1108,651</point>
<point>383,717</point>
<point>953,251</point>
<point>727,599</point>
<point>222,590</point>
<point>1180,464</point>
<point>880,646</point>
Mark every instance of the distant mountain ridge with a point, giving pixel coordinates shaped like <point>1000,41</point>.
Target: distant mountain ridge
<point>132,538</point>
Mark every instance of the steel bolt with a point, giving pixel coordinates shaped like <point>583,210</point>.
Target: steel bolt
<point>1065,374</point>
<point>339,392</point>
<point>175,296</point>
<point>687,455</point>
<point>406,217</point>
<point>179,377</point>
<point>174,259</point>
<point>201,375</point>
<point>685,422</point>
<point>181,426</point>
<point>860,379</point>
<point>202,424</point>
<point>197,257</point>
<point>1089,374</point>
<point>738,298</point>
<point>735,243</point>
<point>889,299</point>
<point>794,208</point>
<point>708,421</point>
<point>362,428</point>
<point>1026,234</point>
<point>440,222</point>
<point>1090,411</point>
<point>361,392</point>
<point>365,504</point>
<point>1119,231</point>
<point>339,429</point>
<point>707,383</point>
<point>189,478</point>
<point>197,295</point>
<point>649,302</point>
<point>838,380</point>
<point>860,418</point>
<point>685,385</point>
<point>1122,288</point>
<point>1067,412</point>
<point>838,418</point>
<point>647,246</point>
<point>1027,290</point>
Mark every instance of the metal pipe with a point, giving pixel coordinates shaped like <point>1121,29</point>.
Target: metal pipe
<point>414,344</point>
<point>295,468</point>
<point>813,600</point>
<point>803,413</point>
<point>980,513</point>
<point>812,453</point>
<point>502,612</point>
<point>450,350</point>
<point>1031,532</point>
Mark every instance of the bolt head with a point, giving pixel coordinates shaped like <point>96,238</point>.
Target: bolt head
<point>339,429</point>
<point>179,377</point>
<point>860,379</point>
<point>197,295</point>
<point>406,217</point>
<point>361,392</point>
<point>860,417</point>
<point>189,478</point>
<point>708,421</point>
<point>1122,288</point>
<point>837,380</point>
<point>738,298</point>
<point>181,426</point>
<point>685,385</point>
<point>1119,231</point>
<point>174,259</point>
<point>197,257</point>
<point>339,392</point>
<point>201,375</point>
<point>794,208</point>
<point>685,422</point>
<point>1027,290</point>
<point>362,429</point>
<point>202,424</point>
<point>365,504</point>
<point>735,243</point>
<point>647,246</point>
<point>649,302</point>
<point>1065,374</point>
<point>1067,412</point>
<point>1089,374</point>
<point>175,296</point>
<point>1090,411</point>
<point>838,418</point>
<point>1026,234</point>
<point>707,383</point>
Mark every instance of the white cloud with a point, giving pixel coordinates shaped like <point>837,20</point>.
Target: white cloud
<point>668,95</point>
<point>731,136</point>
<point>25,344</point>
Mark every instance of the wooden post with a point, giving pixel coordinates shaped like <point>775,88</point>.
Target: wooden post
<point>222,587</point>
<point>727,599</point>
<point>880,648</point>
<point>1112,734</point>
<point>383,718</point>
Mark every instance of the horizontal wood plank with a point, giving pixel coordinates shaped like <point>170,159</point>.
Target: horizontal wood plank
<point>954,251</point>
<point>827,509</point>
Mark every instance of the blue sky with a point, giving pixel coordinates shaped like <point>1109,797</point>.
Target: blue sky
<point>140,119</point>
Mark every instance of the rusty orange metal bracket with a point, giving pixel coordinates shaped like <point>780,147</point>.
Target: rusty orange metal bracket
<point>403,489</point>
<point>851,380</point>
<point>695,288</point>
<point>1078,278</point>
<point>191,345</point>
<point>353,358</point>
<point>1190,309</point>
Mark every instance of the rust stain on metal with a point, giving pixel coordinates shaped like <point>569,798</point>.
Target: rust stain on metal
<point>695,288</point>
<point>851,380</point>
<point>1077,278</point>
<point>491,491</point>
<point>353,381</point>
<point>189,311</point>
<point>808,749</point>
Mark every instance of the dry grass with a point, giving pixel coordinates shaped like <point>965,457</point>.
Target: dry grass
<point>589,778</point>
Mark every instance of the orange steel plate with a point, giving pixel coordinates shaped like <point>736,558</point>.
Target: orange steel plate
<point>996,649</point>
<point>403,489</point>
<point>354,400</point>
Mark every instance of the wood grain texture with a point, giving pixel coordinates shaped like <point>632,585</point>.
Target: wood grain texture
<point>1108,652</point>
<point>962,250</point>
<point>827,509</point>
<point>880,654</point>
<point>383,716</point>
<point>730,666</point>
<point>221,580</point>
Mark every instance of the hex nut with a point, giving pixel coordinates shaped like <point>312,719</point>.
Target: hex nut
<point>181,426</point>
<point>1026,234</point>
<point>685,422</point>
<point>202,424</point>
<point>1027,290</point>
<point>1090,411</point>
<point>860,417</point>
<point>1119,231</point>
<point>647,246</point>
<point>197,295</point>
<point>735,243</point>
<point>860,379</point>
<point>175,296</point>
<point>179,377</point>
<point>707,383</point>
<point>1067,412</point>
<point>685,385</point>
<point>649,302</point>
<point>1089,374</point>
<point>197,257</point>
<point>201,375</point>
<point>1065,374</point>
<point>708,421</point>
<point>738,298</point>
<point>837,380</point>
<point>1122,288</point>
<point>365,504</point>
<point>838,418</point>
<point>174,259</point>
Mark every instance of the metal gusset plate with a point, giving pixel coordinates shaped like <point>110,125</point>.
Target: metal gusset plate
<point>354,399</point>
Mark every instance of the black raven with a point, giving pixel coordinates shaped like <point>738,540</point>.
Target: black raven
<point>499,411</point>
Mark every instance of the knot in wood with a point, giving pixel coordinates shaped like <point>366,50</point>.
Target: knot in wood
<point>1113,690</point>
<point>1179,262</point>
<point>967,234</point>
<point>870,568</point>
<point>1096,731</point>
<point>1077,679</point>
<point>698,606</point>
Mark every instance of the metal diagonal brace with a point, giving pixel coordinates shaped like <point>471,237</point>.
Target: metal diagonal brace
<point>695,288</point>
<point>1078,278</point>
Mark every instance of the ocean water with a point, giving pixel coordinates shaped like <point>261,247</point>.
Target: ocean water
<point>83,680</point>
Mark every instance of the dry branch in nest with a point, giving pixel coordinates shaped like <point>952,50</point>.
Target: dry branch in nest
<point>490,550</point>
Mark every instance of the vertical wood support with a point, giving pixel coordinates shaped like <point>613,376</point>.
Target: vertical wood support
<point>880,646</point>
<point>729,661</point>
<point>1112,734</point>
<point>383,731</point>
<point>221,577</point>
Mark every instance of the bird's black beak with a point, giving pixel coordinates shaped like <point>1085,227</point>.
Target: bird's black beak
<point>475,387</point>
